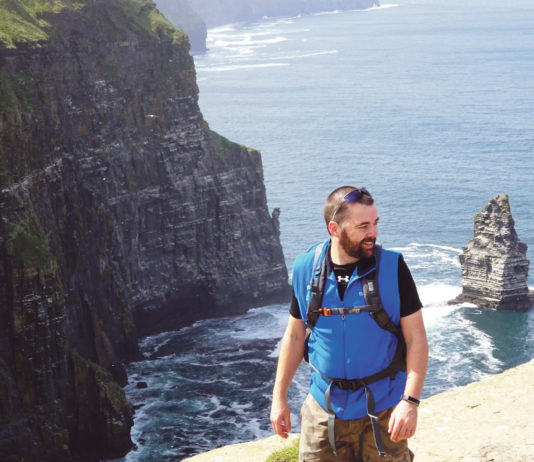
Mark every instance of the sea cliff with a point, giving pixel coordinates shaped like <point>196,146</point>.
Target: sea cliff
<point>121,214</point>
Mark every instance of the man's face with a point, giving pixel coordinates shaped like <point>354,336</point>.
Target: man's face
<point>359,231</point>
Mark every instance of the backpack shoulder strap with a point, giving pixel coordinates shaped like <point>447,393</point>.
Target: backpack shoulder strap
<point>317,289</point>
<point>372,297</point>
<point>371,293</point>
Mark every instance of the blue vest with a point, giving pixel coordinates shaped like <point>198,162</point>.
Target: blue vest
<point>353,346</point>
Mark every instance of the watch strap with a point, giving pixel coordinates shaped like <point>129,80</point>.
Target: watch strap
<point>411,399</point>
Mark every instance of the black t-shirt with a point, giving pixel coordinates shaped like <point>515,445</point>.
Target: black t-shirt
<point>409,298</point>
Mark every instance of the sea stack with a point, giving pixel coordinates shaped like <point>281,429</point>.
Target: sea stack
<point>494,263</point>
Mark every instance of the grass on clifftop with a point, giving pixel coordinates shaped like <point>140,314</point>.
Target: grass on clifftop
<point>289,454</point>
<point>32,21</point>
<point>22,20</point>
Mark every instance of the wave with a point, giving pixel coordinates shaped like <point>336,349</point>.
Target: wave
<point>459,351</point>
<point>235,67</point>
<point>247,52</point>
<point>437,294</point>
<point>415,245</point>
<point>239,36</point>
<point>437,246</point>
<point>277,20</point>
<point>248,41</point>
<point>323,13</point>
<point>225,28</point>
<point>432,262</point>
<point>149,346</point>
<point>380,7</point>
<point>309,55</point>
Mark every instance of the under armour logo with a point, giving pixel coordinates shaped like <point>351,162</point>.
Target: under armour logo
<point>344,279</point>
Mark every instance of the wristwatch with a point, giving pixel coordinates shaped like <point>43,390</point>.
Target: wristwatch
<point>411,399</point>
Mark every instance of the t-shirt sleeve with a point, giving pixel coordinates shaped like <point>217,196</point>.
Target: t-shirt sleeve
<point>294,309</point>
<point>409,297</point>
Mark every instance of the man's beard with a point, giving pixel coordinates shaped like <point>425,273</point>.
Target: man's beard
<point>356,250</point>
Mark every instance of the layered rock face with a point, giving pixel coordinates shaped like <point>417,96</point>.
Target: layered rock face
<point>121,213</point>
<point>494,263</point>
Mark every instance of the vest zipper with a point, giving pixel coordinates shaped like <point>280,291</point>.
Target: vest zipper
<point>343,316</point>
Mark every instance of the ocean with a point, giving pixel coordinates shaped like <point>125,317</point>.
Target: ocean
<point>430,105</point>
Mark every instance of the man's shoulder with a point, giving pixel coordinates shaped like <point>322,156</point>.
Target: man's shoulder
<point>389,255</point>
<point>308,257</point>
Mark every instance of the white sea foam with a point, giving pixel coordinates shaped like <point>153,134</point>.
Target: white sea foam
<point>437,294</point>
<point>289,20</point>
<point>222,29</point>
<point>434,316</point>
<point>436,246</point>
<point>380,7</point>
<point>236,67</point>
<point>248,41</point>
<point>458,348</point>
<point>424,249</point>
<point>254,425</point>
<point>308,55</point>
<point>151,345</point>
<point>323,13</point>
<point>430,256</point>
<point>262,323</point>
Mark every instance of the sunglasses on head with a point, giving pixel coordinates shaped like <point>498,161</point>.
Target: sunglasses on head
<point>350,198</point>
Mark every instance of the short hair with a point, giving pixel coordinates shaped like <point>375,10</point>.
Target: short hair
<point>335,204</point>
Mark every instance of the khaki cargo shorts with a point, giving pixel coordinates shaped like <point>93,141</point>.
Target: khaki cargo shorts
<point>354,438</point>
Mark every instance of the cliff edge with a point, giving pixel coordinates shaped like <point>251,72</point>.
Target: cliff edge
<point>121,214</point>
<point>484,421</point>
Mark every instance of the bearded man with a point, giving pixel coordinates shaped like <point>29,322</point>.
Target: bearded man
<point>357,318</point>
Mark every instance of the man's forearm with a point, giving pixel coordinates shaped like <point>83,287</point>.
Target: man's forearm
<point>416,366</point>
<point>403,421</point>
<point>416,353</point>
<point>291,353</point>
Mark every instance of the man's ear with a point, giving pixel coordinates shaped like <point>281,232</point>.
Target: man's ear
<point>334,229</point>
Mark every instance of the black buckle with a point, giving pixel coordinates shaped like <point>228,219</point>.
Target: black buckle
<point>348,384</point>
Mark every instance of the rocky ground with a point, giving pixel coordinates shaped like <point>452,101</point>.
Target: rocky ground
<point>487,421</point>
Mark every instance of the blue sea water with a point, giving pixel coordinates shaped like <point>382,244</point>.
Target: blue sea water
<point>428,103</point>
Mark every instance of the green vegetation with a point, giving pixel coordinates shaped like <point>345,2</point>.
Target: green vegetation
<point>34,21</point>
<point>139,18</point>
<point>23,20</point>
<point>221,145</point>
<point>289,454</point>
<point>27,245</point>
<point>12,95</point>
